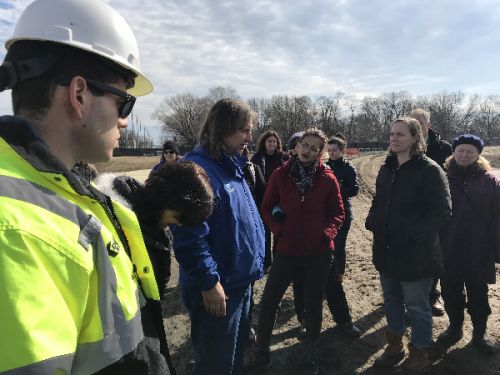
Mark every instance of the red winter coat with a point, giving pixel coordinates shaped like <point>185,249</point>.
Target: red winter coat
<point>311,222</point>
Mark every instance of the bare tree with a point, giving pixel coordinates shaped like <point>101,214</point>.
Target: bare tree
<point>289,115</point>
<point>182,115</point>
<point>261,107</point>
<point>445,112</point>
<point>372,120</point>
<point>217,93</point>
<point>351,128</point>
<point>365,120</point>
<point>488,117</point>
<point>327,112</point>
<point>396,104</point>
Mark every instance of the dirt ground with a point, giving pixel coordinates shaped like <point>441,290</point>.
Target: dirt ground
<point>361,283</point>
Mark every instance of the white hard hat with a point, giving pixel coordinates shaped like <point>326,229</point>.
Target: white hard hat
<point>90,25</point>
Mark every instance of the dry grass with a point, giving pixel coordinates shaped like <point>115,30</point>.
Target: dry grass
<point>493,155</point>
<point>132,163</point>
<point>128,163</point>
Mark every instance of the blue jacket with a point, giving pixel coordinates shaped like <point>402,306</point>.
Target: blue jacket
<point>229,246</point>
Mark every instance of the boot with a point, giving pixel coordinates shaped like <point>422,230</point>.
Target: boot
<point>311,359</point>
<point>349,330</point>
<point>256,359</point>
<point>437,308</point>
<point>394,352</point>
<point>452,335</point>
<point>480,338</point>
<point>417,360</point>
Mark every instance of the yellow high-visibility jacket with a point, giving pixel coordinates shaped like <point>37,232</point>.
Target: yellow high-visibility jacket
<point>70,265</point>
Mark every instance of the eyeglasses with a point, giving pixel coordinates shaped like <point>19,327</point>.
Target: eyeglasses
<point>125,105</point>
<point>169,152</point>
<point>308,146</point>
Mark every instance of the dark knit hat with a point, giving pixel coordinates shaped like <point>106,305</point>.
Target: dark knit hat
<point>294,139</point>
<point>171,145</point>
<point>468,139</point>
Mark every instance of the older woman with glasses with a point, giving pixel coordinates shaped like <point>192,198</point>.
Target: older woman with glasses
<point>303,208</point>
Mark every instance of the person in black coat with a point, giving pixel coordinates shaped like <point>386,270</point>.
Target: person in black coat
<point>438,150</point>
<point>174,194</point>
<point>254,178</point>
<point>268,158</point>
<point>349,187</point>
<point>257,184</point>
<point>411,204</point>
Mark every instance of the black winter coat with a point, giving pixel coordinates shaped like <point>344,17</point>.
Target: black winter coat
<point>348,182</point>
<point>411,205</point>
<point>437,148</point>
<point>256,182</point>
<point>268,163</point>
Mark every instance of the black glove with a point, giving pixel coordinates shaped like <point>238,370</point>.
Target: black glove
<point>128,187</point>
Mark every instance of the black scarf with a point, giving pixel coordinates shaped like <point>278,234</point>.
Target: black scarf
<point>303,176</point>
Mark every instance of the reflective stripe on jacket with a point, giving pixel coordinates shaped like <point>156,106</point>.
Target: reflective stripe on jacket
<point>70,297</point>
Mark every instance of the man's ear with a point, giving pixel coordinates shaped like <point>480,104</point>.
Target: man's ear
<point>79,96</point>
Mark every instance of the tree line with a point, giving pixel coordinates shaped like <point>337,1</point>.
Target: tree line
<point>362,120</point>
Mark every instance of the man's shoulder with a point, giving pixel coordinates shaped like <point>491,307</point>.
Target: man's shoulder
<point>435,139</point>
<point>347,165</point>
<point>201,157</point>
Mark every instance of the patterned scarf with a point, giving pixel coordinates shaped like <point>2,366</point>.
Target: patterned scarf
<point>303,176</point>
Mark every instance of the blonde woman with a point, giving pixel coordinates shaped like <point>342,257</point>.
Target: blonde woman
<point>411,204</point>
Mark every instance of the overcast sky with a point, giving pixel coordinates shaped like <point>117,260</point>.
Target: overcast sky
<point>307,47</point>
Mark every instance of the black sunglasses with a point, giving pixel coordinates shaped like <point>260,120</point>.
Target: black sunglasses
<point>170,152</point>
<point>125,105</point>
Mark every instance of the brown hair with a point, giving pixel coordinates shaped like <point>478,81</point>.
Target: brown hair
<point>184,187</point>
<point>339,142</point>
<point>261,145</point>
<point>415,129</point>
<point>226,117</point>
<point>315,132</point>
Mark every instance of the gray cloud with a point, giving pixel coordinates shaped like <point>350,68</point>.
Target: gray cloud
<point>266,47</point>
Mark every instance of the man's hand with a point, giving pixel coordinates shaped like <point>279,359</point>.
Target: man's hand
<point>215,300</point>
<point>341,277</point>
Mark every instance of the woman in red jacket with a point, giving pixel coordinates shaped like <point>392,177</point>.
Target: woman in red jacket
<point>303,208</point>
